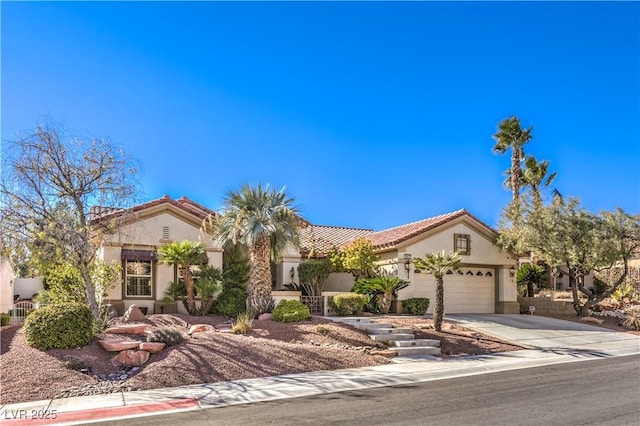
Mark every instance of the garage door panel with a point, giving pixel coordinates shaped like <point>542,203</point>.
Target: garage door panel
<point>462,293</point>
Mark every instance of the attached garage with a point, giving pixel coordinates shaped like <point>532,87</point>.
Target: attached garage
<point>470,292</point>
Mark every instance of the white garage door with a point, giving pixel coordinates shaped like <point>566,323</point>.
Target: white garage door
<point>472,292</point>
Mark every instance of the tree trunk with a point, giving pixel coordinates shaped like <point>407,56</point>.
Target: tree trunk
<point>191,296</point>
<point>259,286</point>
<point>90,292</point>
<point>386,302</point>
<point>438,313</point>
<point>529,289</point>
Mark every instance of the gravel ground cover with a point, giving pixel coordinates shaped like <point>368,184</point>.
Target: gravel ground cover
<point>271,348</point>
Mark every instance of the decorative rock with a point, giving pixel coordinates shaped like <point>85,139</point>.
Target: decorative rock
<point>197,328</point>
<point>152,347</point>
<point>265,316</point>
<point>128,329</point>
<point>387,353</point>
<point>132,358</point>
<point>591,320</point>
<point>117,345</point>
<point>226,331</point>
<point>133,314</point>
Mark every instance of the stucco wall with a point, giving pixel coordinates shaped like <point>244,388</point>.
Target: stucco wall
<point>148,234</point>
<point>340,282</point>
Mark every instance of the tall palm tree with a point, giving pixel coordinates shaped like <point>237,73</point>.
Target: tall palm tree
<point>510,135</point>
<point>184,255</point>
<point>266,221</point>
<point>438,264</point>
<point>536,175</point>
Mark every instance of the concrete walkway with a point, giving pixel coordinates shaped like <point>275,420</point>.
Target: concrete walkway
<point>554,342</point>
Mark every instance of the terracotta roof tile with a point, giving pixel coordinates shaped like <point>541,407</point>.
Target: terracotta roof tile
<point>392,236</point>
<point>319,239</point>
<point>100,214</point>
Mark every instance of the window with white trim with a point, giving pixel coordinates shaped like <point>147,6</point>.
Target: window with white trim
<point>138,278</point>
<point>462,244</point>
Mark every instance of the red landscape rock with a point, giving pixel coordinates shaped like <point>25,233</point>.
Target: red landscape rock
<point>387,353</point>
<point>591,320</point>
<point>117,345</point>
<point>265,316</point>
<point>132,358</point>
<point>133,314</point>
<point>152,347</point>
<point>198,328</point>
<point>128,329</point>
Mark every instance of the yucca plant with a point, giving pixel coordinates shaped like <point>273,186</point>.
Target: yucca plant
<point>632,321</point>
<point>242,324</point>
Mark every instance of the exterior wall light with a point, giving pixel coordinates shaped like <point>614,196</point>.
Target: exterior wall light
<point>407,263</point>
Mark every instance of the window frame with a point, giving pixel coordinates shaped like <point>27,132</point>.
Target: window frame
<point>151,275</point>
<point>456,246</point>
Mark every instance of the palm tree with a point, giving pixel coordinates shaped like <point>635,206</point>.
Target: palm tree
<point>529,275</point>
<point>438,264</point>
<point>266,221</point>
<point>511,135</point>
<point>184,255</point>
<point>535,175</point>
<point>208,285</point>
<point>385,285</point>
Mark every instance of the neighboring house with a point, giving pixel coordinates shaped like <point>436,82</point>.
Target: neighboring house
<point>483,284</point>
<point>141,230</point>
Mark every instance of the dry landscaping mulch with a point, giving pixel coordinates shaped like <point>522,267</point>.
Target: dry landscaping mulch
<point>271,348</point>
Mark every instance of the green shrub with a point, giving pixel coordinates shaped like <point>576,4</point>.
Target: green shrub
<point>290,311</point>
<point>231,302</point>
<point>348,303</point>
<point>59,326</point>
<point>242,324</point>
<point>4,319</point>
<point>169,335</point>
<point>416,305</point>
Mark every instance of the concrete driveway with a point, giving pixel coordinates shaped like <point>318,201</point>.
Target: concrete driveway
<point>538,332</point>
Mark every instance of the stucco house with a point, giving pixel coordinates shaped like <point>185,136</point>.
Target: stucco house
<point>140,231</point>
<point>483,284</point>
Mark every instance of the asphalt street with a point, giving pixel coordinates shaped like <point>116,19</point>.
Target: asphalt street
<point>600,392</point>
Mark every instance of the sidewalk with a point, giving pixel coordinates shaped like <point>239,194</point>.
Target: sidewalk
<point>585,345</point>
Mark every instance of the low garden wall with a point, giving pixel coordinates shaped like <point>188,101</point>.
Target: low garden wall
<point>546,305</point>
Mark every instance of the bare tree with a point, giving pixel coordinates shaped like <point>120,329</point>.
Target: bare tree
<point>52,182</point>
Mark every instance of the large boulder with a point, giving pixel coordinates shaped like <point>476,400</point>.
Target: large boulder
<point>591,320</point>
<point>152,347</point>
<point>117,345</point>
<point>131,358</point>
<point>265,316</point>
<point>133,314</point>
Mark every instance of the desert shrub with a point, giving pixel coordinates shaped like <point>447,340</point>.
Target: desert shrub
<point>231,302</point>
<point>599,286</point>
<point>625,291</point>
<point>632,321</point>
<point>4,319</point>
<point>169,335</point>
<point>416,305</point>
<point>348,303</point>
<point>323,329</point>
<point>242,324</point>
<point>290,311</point>
<point>59,326</point>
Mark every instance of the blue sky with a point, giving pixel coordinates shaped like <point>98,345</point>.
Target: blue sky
<point>373,114</point>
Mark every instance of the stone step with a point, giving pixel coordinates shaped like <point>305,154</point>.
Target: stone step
<point>391,330</point>
<point>392,337</point>
<point>418,350</point>
<point>352,320</point>
<point>371,325</point>
<point>416,342</point>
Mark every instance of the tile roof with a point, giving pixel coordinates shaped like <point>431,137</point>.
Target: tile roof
<point>319,239</point>
<point>99,214</point>
<point>392,236</point>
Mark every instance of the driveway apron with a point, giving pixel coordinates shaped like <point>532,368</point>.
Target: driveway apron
<point>548,334</point>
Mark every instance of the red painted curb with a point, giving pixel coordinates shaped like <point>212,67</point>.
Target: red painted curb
<point>24,417</point>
